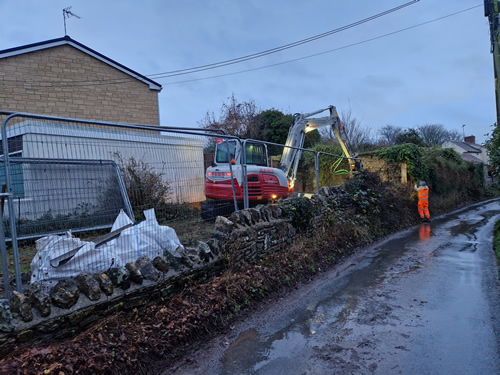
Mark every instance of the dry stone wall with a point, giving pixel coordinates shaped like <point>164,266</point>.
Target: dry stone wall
<point>72,305</point>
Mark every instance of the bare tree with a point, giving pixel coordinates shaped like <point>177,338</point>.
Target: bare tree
<point>238,119</point>
<point>437,134</point>
<point>454,136</point>
<point>388,134</point>
<point>358,137</point>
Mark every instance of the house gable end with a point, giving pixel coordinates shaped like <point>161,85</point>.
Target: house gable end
<point>67,82</point>
<point>73,43</point>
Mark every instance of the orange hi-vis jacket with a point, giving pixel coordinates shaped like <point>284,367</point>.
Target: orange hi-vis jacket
<point>423,202</point>
<point>423,193</point>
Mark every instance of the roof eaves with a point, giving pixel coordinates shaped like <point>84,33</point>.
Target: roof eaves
<point>67,40</point>
<point>467,147</point>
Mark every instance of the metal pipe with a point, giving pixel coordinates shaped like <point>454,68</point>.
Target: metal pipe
<point>232,177</point>
<point>244,172</point>
<point>10,205</point>
<point>316,167</point>
<point>3,249</point>
<point>156,128</point>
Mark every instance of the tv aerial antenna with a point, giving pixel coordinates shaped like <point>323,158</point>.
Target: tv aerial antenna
<point>67,13</point>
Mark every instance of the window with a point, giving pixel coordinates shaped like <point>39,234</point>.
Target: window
<point>15,145</point>
<point>222,152</point>
<point>256,153</point>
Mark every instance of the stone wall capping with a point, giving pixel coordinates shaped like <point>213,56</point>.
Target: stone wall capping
<point>89,286</point>
<point>120,277</point>
<point>254,215</point>
<point>65,293</point>
<point>223,224</point>
<point>135,273</point>
<point>324,191</point>
<point>20,304</point>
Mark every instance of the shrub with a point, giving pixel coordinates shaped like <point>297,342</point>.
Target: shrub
<point>146,187</point>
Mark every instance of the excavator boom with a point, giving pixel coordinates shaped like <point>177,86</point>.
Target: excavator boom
<point>302,123</point>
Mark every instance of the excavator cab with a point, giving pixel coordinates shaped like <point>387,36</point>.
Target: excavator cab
<point>256,153</point>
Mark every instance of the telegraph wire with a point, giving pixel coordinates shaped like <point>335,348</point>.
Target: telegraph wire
<point>324,52</point>
<point>278,49</point>
<point>126,80</point>
<point>235,60</point>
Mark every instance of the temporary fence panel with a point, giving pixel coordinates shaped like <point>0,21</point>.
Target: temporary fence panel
<point>64,177</point>
<point>177,159</point>
<point>54,195</point>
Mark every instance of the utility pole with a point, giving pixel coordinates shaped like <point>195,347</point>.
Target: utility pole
<point>491,11</point>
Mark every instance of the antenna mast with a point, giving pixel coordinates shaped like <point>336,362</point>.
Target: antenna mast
<point>67,14</point>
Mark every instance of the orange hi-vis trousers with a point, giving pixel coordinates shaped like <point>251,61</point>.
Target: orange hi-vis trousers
<point>423,202</point>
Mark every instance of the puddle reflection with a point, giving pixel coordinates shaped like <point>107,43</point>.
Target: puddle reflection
<point>424,232</point>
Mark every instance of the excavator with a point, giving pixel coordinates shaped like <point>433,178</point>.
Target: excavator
<point>224,182</point>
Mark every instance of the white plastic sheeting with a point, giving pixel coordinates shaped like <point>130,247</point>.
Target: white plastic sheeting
<point>146,238</point>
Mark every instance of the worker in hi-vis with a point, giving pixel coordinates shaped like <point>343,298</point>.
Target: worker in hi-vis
<point>423,201</point>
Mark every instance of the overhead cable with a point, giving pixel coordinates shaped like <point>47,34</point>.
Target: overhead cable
<point>277,49</point>
<point>236,60</point>
<point>325,52</point>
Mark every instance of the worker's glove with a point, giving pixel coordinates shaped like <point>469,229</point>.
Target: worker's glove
<point>415,186</point>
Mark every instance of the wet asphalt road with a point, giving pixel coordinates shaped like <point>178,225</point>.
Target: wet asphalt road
<point>424,301</point>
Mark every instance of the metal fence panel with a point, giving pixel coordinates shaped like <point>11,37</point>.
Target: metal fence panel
<point>72,175</point>
<point>54,195</point>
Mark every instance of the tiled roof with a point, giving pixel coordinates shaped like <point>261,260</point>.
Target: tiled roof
<point>470,158</point>
<point>469,147</point>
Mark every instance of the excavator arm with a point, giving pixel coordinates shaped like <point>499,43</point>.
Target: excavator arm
<point>302,123</point>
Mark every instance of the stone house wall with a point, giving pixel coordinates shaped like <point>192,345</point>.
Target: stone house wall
<point>64,81</point>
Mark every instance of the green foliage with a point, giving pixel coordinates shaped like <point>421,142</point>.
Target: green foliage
<point>445,153</point>
<point>312,138</point>
<point>298,212</point>
<point>365,189</point>
<point>450,178</point>
<point>493,147</point>
<point>408,153</point>
<point>273,126</point>
<point>378,204</point>
<point>447,173</point>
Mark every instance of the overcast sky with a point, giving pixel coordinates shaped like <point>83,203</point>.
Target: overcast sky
<point>440,72</point>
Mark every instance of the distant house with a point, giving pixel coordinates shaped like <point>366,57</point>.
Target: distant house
<point>469,150</point>
<point>62,77</point>
<point>472,152</point>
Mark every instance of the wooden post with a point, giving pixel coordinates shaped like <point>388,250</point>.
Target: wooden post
<point>404,174</point>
